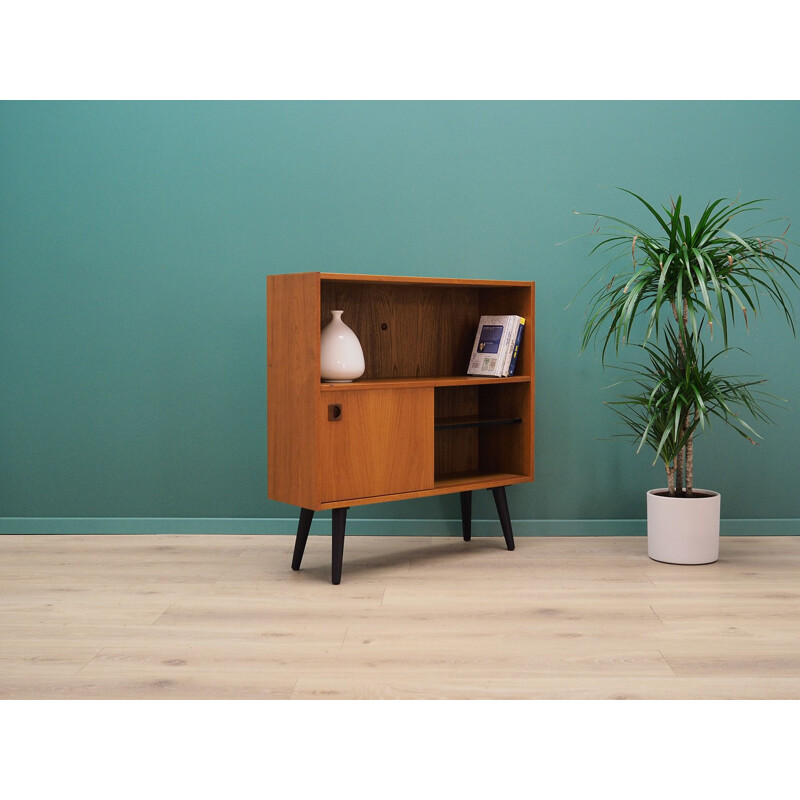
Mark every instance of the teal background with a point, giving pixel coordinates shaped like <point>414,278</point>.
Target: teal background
<point>135,238</point>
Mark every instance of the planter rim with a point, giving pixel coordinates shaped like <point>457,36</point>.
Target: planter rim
<point>701,494</point>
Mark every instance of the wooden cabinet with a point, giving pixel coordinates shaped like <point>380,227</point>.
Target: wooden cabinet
<point>414,424</point>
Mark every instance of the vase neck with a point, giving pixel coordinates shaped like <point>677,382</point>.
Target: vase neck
<point>337,314</point>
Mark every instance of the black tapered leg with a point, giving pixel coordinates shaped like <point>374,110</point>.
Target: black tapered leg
<point>338,520</point>
<point>466,515</point>
<point>502,511</point>
<point>303,527</point>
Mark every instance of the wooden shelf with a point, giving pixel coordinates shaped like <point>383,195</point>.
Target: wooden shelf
<point>420,383</point>
<point>472,421</point>
<point>475,479</point>
<point>447,483</point>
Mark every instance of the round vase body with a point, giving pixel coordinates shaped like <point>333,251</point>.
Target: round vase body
<point>341,356</point>
<point>683,530</point>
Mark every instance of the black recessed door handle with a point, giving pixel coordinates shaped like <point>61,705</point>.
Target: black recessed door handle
<point>334,412</point>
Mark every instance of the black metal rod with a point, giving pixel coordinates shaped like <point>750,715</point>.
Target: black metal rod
<point>303,527</point>
<point>469,422</point>
<point>338,521</point>
<point>502,511</point>
<point>466,515</point>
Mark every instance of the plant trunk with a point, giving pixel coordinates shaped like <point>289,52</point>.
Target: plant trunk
<point>684,459</point>
<point>685,454</point>
<point>690,462</point>
<point>670,479</point>
<point>681,330</point>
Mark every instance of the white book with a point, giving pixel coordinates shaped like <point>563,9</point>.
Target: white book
<point>492,345</point>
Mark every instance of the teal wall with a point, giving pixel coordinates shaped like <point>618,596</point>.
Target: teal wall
<point>135,239</point>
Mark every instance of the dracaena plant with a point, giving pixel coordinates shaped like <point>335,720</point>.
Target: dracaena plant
<point>674,394</point>
<point>676,283</point>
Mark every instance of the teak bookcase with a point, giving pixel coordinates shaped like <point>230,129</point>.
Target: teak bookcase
<point>415,424</point>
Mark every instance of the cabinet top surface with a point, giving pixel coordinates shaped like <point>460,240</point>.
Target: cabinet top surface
<point>399,279</point>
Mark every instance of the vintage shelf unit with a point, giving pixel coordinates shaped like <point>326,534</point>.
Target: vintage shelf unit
<point>415,424</point>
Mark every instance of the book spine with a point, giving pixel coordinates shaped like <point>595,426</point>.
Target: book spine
<point>508,346</point>
<point>513,327</point>
<point>514,355</point>
<point>474,361</point>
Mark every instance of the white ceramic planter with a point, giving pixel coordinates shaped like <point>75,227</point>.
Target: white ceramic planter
<point>341,356</point>
<point>683,530</point>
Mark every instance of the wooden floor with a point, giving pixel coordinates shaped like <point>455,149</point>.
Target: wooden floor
<point>225,617</point>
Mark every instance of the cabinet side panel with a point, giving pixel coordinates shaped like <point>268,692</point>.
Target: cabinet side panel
<point>292,387</point>
<point>529,364</point>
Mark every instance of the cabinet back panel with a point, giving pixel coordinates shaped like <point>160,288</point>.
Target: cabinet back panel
<point>505,448</point>
<point>455,449</point>
<point>406,330</point>
<point>514,300</point>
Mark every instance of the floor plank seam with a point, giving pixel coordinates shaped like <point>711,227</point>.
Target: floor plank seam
<point>666,661</point>
<point>657,617</point>
<point>96,655</point>
<point>161,615</point>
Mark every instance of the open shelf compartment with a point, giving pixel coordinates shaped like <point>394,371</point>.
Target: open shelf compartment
<point>422,330</point>
<point>482,429</point>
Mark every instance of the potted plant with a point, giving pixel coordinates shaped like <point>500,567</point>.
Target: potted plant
<point>675,287</point>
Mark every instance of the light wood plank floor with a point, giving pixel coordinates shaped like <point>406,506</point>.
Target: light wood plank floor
<point>225,617</point>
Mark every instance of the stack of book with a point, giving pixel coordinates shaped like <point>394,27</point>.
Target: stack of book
<point>496,345</point>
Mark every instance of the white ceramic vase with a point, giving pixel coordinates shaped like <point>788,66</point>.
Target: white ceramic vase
<point>341,356</point>
<point>682,530</point>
